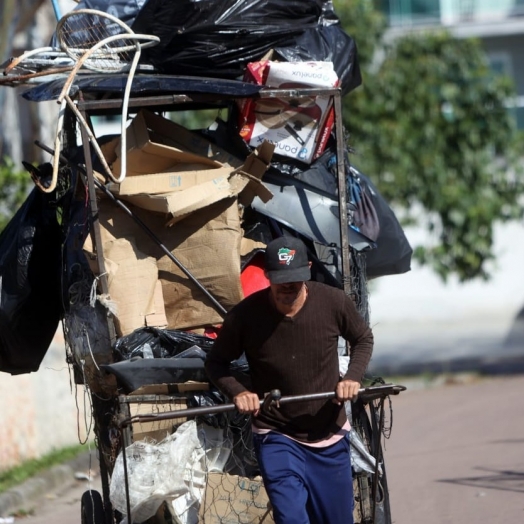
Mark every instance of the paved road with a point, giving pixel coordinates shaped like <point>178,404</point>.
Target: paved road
<point>456,455</point>
<point>61,506</point>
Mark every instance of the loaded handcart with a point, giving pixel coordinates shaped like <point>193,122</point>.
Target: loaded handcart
<point>171,448</point>
<point>159,229</point>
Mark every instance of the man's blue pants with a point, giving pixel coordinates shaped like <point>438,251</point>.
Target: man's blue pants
<point>306,485</point>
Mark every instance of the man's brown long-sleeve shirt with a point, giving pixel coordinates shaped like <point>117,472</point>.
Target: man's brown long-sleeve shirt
<point>297,355</point>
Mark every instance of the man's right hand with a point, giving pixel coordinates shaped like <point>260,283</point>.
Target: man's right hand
<point>247,402</point>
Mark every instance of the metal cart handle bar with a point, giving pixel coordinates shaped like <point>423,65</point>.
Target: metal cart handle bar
<point>365,394</point>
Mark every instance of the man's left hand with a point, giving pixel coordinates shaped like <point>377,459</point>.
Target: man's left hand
<point>346,390</point>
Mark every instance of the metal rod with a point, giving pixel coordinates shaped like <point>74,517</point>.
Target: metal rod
<point>378,456</point>
<point>383,390</point>
<point>342,194</point>
<point>312,396</point>
<point>126,481</point>
<point>182,413</point>
<point>122,206</point>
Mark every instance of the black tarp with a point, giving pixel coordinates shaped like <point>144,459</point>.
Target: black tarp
<point>143,85</point>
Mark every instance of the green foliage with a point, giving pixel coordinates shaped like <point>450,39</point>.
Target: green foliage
<point>14,186</point>
<point>431,128</point>
<point>14,476</point>
<point>365,24</point>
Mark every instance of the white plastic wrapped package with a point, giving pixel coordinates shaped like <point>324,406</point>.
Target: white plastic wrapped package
<point>361,459</point>
<point>156,472</point>
<point>215,449</point>
<point>217,445</point>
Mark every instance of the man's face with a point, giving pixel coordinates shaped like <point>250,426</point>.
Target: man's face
<point>286,294</point>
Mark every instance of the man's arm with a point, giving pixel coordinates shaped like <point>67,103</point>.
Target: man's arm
<point>226,348</point>
<point>360,338</point>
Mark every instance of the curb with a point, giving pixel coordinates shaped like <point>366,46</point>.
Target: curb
<point>23,498</point>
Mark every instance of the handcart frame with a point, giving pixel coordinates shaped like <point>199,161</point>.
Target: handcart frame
<point>369,422</point>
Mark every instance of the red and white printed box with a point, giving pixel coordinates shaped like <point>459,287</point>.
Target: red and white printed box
<point>299,127</point>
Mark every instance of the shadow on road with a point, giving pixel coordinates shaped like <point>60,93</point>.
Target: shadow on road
<point>485,365</point>
<point>500,480</point>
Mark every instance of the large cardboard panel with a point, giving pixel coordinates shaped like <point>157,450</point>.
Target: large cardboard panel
<point>231,499</point>
<point>132,280</point>
<point>157,318</point>
<point>179,178</point>
<point>156,430</point>
<point>181,203</point>
<point>206,243</point>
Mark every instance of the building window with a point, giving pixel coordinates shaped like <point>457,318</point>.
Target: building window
<point>410,12</point>
<point>500,63</point>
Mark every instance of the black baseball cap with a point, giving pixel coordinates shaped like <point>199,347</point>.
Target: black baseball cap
<point>286,261</point>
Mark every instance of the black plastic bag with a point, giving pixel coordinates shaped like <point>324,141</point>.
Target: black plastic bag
<point>372,215</point>
<point>219,37</point>
<point>392,255</point>
<point>328,42</point>
<point>124,10</point>
<point>365,217</point>
<point>30,289</point>
<point>164,343</point>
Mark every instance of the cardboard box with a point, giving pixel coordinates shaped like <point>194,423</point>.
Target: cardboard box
<point>181,203</point>
<point>243,182</point>
<point>158,429</point>
<point>294,125</point>
<point>158,135</point>
<point>231,499</point>
<point>174,180</point>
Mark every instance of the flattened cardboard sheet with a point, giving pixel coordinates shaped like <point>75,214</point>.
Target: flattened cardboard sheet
<point>230,499</point>
<point>207,243</point>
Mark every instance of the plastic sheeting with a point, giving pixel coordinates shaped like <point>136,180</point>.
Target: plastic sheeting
<point>309,213</point>
<point>167,356</point>
<point>125,10</point>
<point>132,374</point>
<point>156,472</point>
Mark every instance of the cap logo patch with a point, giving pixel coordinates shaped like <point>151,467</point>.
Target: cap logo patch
<point>285,255</point>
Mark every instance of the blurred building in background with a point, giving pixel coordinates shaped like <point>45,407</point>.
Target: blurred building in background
<point>421,323</point>
<point>498,24</point>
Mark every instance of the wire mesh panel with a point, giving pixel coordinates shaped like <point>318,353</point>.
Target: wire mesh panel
<point>232,499</point>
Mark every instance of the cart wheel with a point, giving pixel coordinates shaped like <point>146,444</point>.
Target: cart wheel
<point>92,508</point>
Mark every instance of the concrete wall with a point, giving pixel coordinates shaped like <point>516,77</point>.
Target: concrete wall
<point>39,411</point>
<point>417,318</point>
